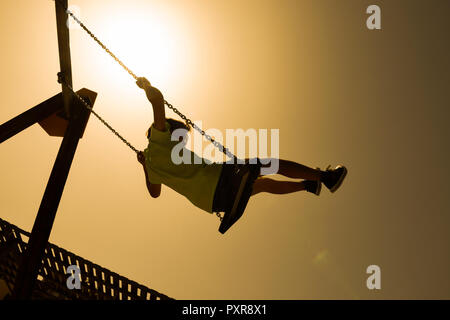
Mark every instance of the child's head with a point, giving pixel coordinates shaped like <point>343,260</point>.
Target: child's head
<point>174,125</point>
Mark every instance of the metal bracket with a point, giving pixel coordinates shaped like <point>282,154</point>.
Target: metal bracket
<point>61,77</point>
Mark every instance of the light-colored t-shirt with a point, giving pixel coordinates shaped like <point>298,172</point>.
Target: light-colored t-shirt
<point>197,182</point>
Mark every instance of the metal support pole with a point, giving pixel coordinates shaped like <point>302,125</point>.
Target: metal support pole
<point>64,50</point>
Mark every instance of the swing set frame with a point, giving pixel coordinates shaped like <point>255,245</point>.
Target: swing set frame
<point>60,115</point>
<point>66,115</point>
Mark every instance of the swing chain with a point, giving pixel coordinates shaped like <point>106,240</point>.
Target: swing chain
<point>202,132</point>
<point>220,216</point>
<point>87,105</point>
<point>170,106</point>
<point>101,44</point>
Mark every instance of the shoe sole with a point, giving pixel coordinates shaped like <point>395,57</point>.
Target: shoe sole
<point>341,179</point>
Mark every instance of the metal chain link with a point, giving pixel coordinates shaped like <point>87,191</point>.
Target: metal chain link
<point>88,106</point>
<point>191,124</point>
<point>170,106</point>
<point>101,44</point>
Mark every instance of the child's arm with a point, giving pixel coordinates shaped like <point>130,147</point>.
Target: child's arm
<point>153,189</point>
<point>157,100</point>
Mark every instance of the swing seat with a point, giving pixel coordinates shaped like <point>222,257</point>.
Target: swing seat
<point>244,177</point>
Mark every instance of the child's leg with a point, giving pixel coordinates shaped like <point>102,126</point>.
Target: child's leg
<point>276,186</point>
<point>296,170</point>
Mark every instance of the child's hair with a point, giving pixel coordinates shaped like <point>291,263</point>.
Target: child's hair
<point>174,125</point>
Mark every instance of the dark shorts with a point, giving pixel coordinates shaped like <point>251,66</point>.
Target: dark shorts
<point>223,194</point>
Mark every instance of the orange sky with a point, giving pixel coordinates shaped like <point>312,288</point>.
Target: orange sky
<point>376,101</point>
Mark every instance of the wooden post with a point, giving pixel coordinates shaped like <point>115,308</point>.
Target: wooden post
<point>32,257</point>
<point>30,117</point>
<point>64,50</point>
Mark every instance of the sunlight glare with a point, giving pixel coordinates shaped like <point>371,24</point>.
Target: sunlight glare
<point>144,42</point>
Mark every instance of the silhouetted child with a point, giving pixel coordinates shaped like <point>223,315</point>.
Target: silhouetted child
<point>208,185</point>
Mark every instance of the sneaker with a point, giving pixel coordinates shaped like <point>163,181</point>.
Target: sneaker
<point>333,178</point>
<point>313,186</point>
